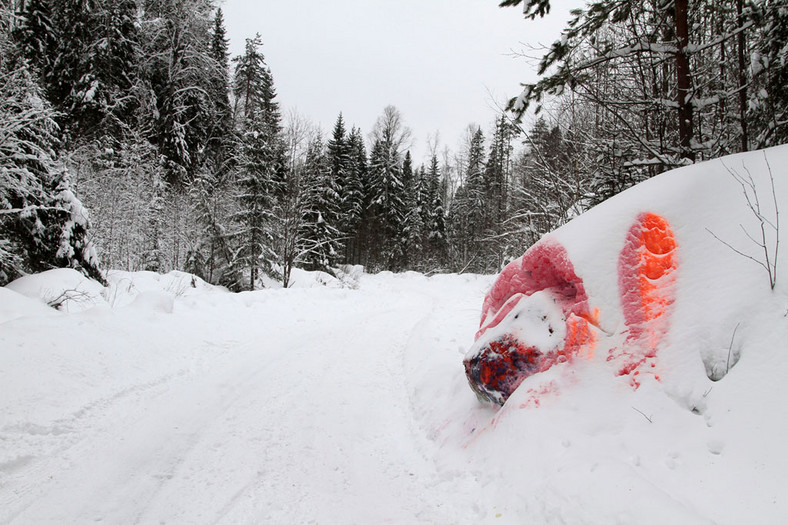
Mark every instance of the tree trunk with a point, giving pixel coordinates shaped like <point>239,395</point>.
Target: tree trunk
<point>745,139</point>
<point>683,80</point>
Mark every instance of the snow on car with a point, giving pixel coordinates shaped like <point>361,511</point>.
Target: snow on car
<point>604,287</point>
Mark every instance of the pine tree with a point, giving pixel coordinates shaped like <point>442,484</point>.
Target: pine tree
<point>496,174</point>
<point>387,190</point>
<point>409,236</point>
<point>220,133</point>
<point>387,209</point>
<point>117,54</point>
<point>338,179</point>
<point>318,245</point>
<point>178,66</point>
<point>433,216</point>
<point>355,201</point>
<point>42,223</point>
<point>35,35</point>
<point>92,64</point>
<point>260,162</point>
<point>339,151</point>
<point>71,79</point>
<point>467,210</point>
<point>769,106</point>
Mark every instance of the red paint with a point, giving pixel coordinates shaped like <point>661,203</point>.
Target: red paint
<point>502,365</point>
<point>535,395</point>
<point>545,266</point>
<point>646,282</point>
<point>499,368</point>
<point>646,279</point>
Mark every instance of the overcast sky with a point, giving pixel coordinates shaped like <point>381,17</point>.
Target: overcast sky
<point>443,63</point>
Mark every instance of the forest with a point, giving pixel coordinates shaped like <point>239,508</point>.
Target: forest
<point>131,140</point>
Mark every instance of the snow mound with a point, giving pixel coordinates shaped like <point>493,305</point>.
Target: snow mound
<point>124,287</point>
<point>14,305</point>
<point>154,301</point>
<point>345,276</point>
<point>62,288</point>
<point>312,279</point>
<point>652,418</point>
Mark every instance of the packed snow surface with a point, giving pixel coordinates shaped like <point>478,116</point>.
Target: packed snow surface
<point>161,399</point>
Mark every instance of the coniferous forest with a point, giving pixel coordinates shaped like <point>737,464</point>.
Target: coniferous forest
<point>130,139</point>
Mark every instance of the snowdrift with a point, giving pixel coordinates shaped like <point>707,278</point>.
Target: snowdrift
<point>642,346</point>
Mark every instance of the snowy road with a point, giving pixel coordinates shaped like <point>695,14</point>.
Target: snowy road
<point>273,407</point>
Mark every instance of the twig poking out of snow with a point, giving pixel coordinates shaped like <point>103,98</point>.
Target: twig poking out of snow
<point>643,414</point>
<point>730,350</point>
<point>68,295</point>
<point>770,248</point>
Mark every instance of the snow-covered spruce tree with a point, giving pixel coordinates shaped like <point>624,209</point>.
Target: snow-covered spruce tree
<point>42,223</point>
<point>419,254</point>
<point>387,207</point>
<point>211,256</point>
<point>497,238</point>
<point>318,239</point>
<point>35,35</point>
<point>336,155</point>
<point>497,171</point>
<point>355,200</point>
<point>222,126</point>
<point>768,109</point>
<point>93,65</point>
<point>433,218</point>
<point>116,53</point>
<point>70,72</point>
<point>410,238</point>
<point>74,248</point>
<point>260,162</point>
<point>345,177</point>
<point>467,211</point>
<point>181,72</point>
<point>542,196</point>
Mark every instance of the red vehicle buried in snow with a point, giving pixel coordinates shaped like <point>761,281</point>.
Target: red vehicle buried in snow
<point>538,312</point>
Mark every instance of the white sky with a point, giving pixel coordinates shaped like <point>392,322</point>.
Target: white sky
<point>443,63</point>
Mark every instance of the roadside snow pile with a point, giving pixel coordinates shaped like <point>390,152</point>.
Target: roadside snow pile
<point>69,291</point>
<point>126,287</point>
<point>640,353</point>
<point>345,276</point>
<point>14,305</point>
<point>62,288</point>
<point>347,401</point>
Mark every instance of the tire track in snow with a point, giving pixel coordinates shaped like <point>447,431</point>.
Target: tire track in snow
<point>329,438</point>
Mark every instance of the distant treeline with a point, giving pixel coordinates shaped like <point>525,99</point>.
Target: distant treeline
<point>131,111</point>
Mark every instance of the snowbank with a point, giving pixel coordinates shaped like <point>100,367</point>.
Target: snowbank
<point>62,288</point>
<point>694,436</point>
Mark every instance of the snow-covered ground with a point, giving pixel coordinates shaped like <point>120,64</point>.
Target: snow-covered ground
<point>160,399</point>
